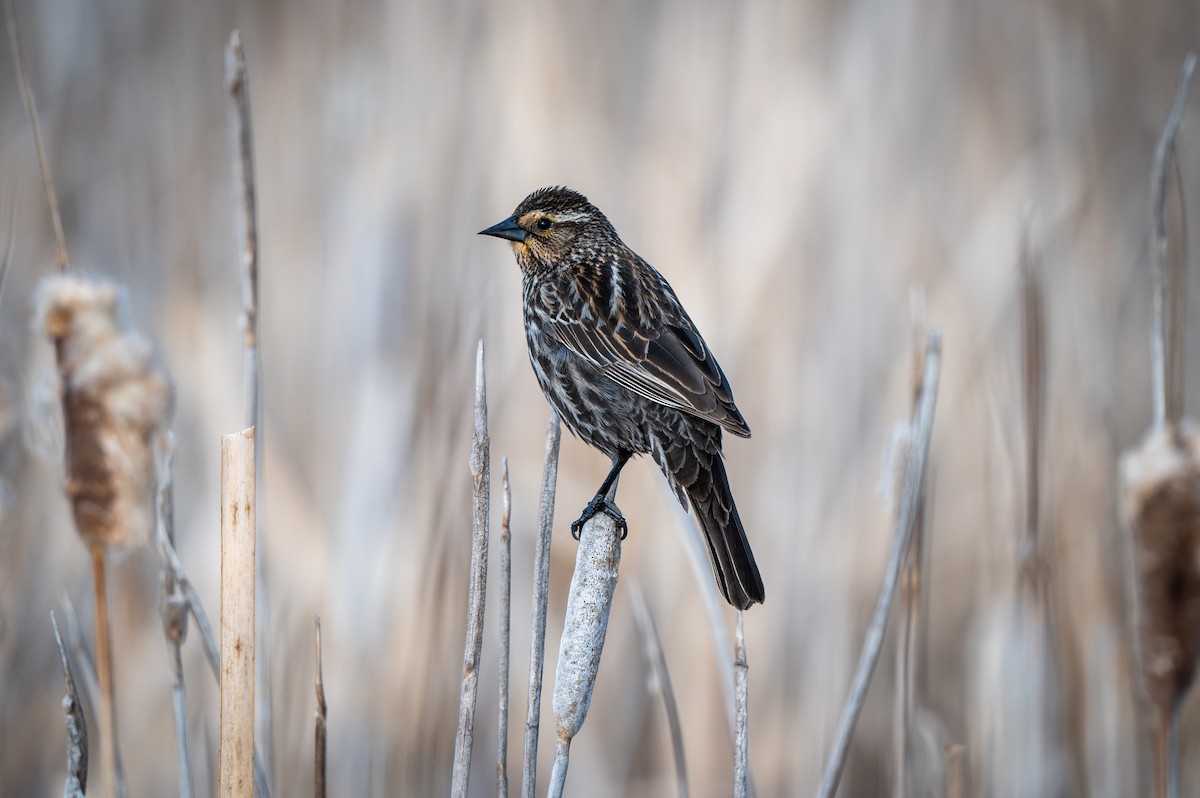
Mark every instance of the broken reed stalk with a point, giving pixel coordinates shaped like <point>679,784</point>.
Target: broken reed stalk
<point>320,717</point>
<point>77,741</point>
<point>505,635</point>
<point>208,638</point>
<point>913,485</point>
<point>237,85</point>
<point>1160,488</point>
<point>235,752</point>
<point>660,682</point>
<point>539,611</point>
<point>14,38</point>
<point>477,594</point>
<point>741,748</point>
<point>585,625</point>
<point>79,651</point>
<point>174,611</point>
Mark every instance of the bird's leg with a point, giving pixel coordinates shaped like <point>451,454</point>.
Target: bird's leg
<point>603,501</point>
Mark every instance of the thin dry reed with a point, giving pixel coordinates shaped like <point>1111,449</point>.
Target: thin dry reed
<point>173,609</point>
<point>741,740</point>
<point>31,114</point>
<point>913,474</point>
<point>907,639</point>
<point>540,608</point>
<point>659,679</point>
<point>505,635</point>
<point>320,718</point>
<point>481,479</point>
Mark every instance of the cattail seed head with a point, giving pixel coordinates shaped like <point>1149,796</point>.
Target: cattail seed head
<point>586,623</point>
<point>1160,504</point>
<point>114,402</point>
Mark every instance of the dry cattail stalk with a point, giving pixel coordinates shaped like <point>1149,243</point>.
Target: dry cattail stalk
<point>1160,488</point>
<point>584,628</point>
<point>114,403</point>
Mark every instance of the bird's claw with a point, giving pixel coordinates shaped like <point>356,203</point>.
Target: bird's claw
<point>600,506</point>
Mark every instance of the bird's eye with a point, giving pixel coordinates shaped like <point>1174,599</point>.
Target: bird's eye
<point>544,224</point>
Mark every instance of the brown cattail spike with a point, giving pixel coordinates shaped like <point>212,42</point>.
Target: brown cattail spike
<point>114,402</point>
<point>1161,505</point>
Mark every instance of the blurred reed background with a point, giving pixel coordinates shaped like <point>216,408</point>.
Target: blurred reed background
<point>793,168</point>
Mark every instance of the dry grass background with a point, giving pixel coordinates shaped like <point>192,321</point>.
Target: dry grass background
<point>793,168</point>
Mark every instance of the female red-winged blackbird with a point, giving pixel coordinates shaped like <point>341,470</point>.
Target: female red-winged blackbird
<point>626,369</point>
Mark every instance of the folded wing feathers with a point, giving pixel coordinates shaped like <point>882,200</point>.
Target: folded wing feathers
<point>671,365</point>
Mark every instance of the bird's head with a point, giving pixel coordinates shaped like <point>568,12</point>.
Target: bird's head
<point>554,228</point>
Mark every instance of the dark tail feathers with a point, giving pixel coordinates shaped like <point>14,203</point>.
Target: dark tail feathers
<point>729,551</point>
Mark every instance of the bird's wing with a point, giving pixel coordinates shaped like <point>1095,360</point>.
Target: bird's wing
<point>655,351</point>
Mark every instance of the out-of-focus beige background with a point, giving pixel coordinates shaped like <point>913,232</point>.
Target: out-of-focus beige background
<point>794,169</point>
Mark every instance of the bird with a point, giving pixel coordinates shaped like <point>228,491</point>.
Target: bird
<point>625,368</point>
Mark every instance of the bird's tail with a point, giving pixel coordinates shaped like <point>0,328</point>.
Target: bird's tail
<point>732,561</point>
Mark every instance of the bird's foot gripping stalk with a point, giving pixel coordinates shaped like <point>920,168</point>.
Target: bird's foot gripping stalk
<point>600,504</point>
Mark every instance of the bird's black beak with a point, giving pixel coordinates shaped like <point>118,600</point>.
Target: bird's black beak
<point>507,229</point>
